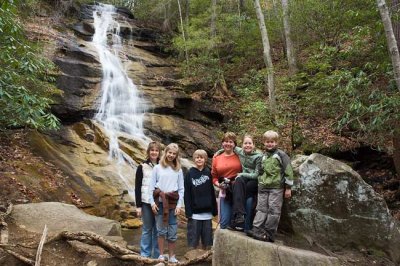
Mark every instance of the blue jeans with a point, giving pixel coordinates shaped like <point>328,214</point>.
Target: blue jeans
<point>148,242</point>
<point>248,223</point>
<point>169,230</point>
<point>226,213</point>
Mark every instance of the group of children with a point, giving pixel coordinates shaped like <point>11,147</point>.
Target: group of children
<point>162,190</point>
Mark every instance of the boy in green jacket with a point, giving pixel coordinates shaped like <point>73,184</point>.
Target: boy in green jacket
<point>274,182</point>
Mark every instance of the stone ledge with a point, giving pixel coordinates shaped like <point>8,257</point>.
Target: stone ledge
<point>234,248</point>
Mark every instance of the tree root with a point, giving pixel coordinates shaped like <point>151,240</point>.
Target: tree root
<point>114,249</point>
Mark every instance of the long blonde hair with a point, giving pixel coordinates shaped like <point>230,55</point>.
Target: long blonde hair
<point>176,163</point>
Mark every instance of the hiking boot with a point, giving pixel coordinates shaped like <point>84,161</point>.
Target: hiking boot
<point>237,223</point>
<point>239,219</point>
<point>252,232</point>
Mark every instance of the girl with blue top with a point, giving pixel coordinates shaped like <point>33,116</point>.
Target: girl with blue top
<point>167,188</point>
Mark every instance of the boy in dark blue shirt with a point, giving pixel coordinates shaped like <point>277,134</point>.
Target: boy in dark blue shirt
<point>200,202</point>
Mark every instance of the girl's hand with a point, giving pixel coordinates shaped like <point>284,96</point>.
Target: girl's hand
<point>139,212</point>
<point>177,210</point>
<point>288,193</point>
<point>154,208</point>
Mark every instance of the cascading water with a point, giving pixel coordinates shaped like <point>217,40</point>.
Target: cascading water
<point>121,109</point>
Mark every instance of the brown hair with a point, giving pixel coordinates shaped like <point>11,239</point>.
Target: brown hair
<point>176,163</point>
<point>271,135</point>
<point>229,136</point>
<point>152,145</point>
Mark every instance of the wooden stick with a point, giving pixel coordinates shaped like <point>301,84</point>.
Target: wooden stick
<point>20,257</point>
<point>40,247</point>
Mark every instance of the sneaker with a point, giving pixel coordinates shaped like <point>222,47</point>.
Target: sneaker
<point>173,260</point>
<point>163,257</point>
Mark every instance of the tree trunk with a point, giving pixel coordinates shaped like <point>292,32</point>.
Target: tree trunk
<point>213,26</point>
<point>183,32</point>
<point>166,27</point>
<point>187,12</point>
<point>395,57</point>
<point>396,137</point>
<point>391,41</point>
<point>396,23</point>
<point>266,56</point>
<point>289,45</point>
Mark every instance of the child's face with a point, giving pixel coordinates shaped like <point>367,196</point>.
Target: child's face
<point>248,145</point>
<point>171,155</point>
<point>153,154</point>
<point>199,162</point>
<point>270,144</point>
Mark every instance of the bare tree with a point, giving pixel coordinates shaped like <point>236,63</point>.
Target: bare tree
<point>187,12</point>
<point>395,57</point>
<point>213,25</point>
<point>396,31</point>
<point>391,40</point>
<point>289,44</point>
<point>183,32</point>
<point>267,56</point>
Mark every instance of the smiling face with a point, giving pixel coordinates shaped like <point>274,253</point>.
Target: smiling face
<point>154,154</point>
<point>248,145</point>
<point>270,144</point>
<point>171,155</point>
<point>199,161</point>
<point>228,145</point>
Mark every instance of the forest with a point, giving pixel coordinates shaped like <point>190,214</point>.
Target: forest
<point>319,71</point>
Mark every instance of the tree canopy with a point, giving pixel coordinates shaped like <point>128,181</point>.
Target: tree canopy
<point>26,84</point>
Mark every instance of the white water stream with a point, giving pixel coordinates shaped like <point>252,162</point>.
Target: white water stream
<point>121,109</point>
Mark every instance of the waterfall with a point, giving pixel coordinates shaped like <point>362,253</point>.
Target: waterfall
<point>121,108</point>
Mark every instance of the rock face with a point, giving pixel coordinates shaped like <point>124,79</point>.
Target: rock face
<point>61,217</point>
<point>156,78</point>
<point>81,147</point>
<point>333,206</point>
<point>233,248</point>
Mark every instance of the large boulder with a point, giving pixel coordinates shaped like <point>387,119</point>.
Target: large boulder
<point>61,217</point>
<point>333,206</point>
<point>233,248</point>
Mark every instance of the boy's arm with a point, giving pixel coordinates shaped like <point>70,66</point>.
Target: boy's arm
<point>288,176</point>
<point>187,198</point>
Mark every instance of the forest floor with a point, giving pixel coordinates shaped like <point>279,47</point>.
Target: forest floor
<point>16,158</point>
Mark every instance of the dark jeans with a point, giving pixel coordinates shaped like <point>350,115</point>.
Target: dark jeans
<point>243,188</point>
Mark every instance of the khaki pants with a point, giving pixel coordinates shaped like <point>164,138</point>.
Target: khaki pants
<point>268,209</point>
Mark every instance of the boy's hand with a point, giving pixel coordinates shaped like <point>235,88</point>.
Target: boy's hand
<point>177,210</point>
<point>288,193</point>
<point>154,208</point>
<point>139,212</point>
